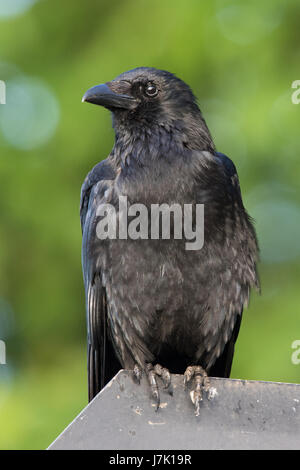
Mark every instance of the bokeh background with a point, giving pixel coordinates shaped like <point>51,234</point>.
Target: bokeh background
<point>240,58</point>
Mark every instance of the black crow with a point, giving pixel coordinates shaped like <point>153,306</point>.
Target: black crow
<point>154,305</point>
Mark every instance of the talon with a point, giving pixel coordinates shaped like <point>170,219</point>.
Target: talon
<point>197,406</point>
<point>153,384</point>
<point>137,373</point>
<point>156,397</point>
<point>185,382</point>
<point>165,376</point>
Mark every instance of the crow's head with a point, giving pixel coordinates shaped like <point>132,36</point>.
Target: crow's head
<point>149,98</point>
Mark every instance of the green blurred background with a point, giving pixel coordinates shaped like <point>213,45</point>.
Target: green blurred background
<point>240,58</point>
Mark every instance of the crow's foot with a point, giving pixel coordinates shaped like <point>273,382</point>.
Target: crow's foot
<point>201,382</point>
<point>152,373</point>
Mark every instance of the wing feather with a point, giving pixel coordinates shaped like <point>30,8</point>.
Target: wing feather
<point>102,363</point>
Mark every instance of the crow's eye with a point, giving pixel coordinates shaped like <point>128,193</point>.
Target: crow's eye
<point>151,90</point>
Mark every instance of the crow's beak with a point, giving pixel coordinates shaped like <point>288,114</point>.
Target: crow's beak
<point>104,96</point>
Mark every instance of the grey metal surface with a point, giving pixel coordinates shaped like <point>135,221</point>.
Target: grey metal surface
<point>242,415</point>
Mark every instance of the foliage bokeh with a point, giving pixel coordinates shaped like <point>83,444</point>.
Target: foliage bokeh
<point>240,58</point>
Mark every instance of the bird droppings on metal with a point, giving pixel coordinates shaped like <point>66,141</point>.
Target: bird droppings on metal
<point>155,424</point>
<point>138,410</point>
<point>212,393</point>
<point>161,405</point>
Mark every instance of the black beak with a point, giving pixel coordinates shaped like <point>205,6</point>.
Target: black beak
<point>104,96</point>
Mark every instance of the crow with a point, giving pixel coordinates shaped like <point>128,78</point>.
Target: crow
<point>153,306</point>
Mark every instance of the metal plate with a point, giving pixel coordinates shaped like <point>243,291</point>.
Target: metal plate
<point>242,415</point>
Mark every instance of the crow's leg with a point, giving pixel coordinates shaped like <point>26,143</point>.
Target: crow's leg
<point>201,382</point>
<point>152,373</point>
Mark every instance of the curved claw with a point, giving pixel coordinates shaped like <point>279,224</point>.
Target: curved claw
<point>137,374</point>
<point>156,397</point>
<point>153,384</point>
<point>158,371</point>
<point>165,376</point>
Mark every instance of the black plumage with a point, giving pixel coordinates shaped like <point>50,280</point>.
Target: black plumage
<point>152,301</point>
